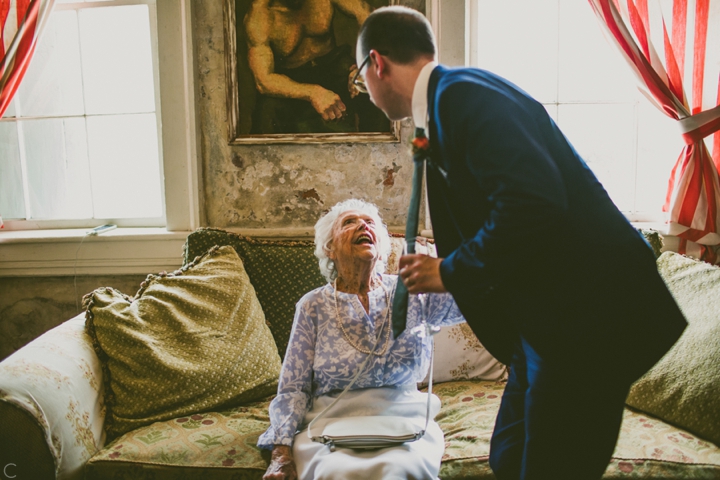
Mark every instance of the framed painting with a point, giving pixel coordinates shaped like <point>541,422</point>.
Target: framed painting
<point>289,66</point>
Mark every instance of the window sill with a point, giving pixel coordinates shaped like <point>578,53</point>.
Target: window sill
<point>127,251</point>
<point>123,251</point>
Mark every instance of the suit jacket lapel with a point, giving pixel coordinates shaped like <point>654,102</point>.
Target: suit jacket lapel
<point>432,127</point>
<point>437,176</point>
<point>436,160</point>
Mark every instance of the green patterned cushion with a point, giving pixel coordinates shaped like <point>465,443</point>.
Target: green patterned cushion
<point>654,238</point>
<point>222,445</point>
<point>467,417</point>
<point>684,387</point>
<point>282,271</point>
<point>217,445</point>
<point>188,342</point>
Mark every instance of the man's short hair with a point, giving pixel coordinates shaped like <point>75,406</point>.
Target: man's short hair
<point>400,33</point>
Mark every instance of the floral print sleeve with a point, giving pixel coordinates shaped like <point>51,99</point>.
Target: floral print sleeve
<point>320,359</point>
<point>288,408</point>
<point>440,308</point>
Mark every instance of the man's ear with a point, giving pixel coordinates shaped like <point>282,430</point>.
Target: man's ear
<point>379,62</point>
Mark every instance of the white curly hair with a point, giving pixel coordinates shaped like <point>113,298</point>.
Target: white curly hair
<point>323,235</point>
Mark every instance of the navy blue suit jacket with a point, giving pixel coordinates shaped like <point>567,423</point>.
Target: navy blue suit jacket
<point>533,245</point>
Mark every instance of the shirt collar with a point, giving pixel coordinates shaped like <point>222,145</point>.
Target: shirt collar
<point>419,97</point>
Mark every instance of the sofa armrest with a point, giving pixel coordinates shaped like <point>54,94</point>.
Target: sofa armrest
<point>55,381</point>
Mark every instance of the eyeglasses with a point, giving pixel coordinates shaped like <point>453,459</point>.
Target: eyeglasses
<point>358,80</point>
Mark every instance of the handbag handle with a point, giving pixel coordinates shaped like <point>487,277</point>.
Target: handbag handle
<point>422,330</point>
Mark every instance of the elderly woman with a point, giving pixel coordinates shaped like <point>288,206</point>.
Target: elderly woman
<point>336,328</point>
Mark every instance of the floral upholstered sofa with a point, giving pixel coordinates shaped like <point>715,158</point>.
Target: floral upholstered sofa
<point>66,413</point>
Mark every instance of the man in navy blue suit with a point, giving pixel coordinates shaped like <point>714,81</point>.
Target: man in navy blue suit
<point>551,277</point>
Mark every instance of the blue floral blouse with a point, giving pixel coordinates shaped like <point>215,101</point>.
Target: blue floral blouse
<point>319,359</point>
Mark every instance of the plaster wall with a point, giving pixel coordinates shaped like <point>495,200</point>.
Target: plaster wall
<point>29,306</point>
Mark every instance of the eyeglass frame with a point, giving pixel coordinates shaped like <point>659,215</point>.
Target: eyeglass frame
<point>359,82</point>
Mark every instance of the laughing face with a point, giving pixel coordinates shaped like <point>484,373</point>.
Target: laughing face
<point>354,238</point>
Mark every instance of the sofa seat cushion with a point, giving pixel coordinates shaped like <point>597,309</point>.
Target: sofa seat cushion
<point>210,445</point>
<point>222,445</point>
<point>467,417</point>
<point>649,448</point>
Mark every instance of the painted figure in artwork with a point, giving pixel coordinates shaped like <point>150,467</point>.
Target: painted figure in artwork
<point>301,73</point>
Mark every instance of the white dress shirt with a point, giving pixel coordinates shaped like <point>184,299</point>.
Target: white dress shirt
<point>419,97</point>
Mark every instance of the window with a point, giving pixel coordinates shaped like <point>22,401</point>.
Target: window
<point>80,140</point>
<point>57,247</point>
<point>556,51</point>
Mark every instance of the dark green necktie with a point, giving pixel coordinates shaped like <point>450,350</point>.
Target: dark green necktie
<point>400,302</point>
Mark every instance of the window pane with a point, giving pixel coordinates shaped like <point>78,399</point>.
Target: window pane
<point>12,201</point>
<point>659,146</point>
<point>10,112</point>
<point>117,60</point>
<point>53,84</point>
<point>57,166</point>
<point>518,40</point>
<point>591,69</point>
<point>125,166</point>
<point>604,135</point>
<point>552,110</point>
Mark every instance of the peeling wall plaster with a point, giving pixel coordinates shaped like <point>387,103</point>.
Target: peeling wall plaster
<point>280,186</point>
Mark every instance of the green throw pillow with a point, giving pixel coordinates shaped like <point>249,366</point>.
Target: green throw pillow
<point>189,341</point>
<point>282,271</point>
<point>683,388</point>
<point>654,238</point>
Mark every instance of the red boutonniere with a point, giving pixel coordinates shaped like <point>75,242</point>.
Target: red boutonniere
<point>420,145</point>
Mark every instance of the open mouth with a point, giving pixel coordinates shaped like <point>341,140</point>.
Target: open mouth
<point>364,239</point>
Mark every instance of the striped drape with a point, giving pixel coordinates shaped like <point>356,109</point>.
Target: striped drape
<point>654,37</point>
<point>21,22</point>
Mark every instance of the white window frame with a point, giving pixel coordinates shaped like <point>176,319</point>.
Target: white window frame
<point>32,248</point>
<point>453,23</point>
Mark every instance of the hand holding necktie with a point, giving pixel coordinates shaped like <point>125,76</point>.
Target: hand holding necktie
<point>400,302</point>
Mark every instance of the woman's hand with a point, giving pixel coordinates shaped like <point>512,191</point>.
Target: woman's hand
<point>282,464</point>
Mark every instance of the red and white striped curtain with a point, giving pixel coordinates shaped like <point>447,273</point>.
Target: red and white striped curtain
<point>654,37</point>
<point>21,22</point>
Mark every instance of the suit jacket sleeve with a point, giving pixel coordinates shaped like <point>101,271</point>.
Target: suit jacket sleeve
<point>500,139</point>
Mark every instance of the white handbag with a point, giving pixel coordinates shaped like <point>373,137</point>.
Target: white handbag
<point>377,431</point>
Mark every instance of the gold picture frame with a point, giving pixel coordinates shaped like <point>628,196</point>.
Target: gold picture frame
<point>243,99</point>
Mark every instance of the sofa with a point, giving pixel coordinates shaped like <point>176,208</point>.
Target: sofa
<point>61,400</point>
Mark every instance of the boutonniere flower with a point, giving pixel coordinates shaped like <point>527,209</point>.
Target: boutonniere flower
<point>420,145</point>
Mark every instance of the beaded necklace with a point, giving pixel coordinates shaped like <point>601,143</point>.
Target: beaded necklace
<point>384,323</point>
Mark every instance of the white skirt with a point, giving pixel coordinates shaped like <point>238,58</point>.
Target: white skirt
<point>419,460</point>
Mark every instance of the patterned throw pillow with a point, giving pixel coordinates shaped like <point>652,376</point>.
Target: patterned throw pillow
<point>459,355</point>
<point>654,239</point>
<point>281,271</point>
<point>189,341</point>
<point>683,388</point>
